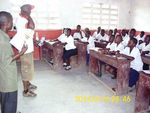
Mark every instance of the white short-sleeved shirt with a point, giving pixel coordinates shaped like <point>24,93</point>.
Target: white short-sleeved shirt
<point>62,38</point>
<point>125,41</point>
<point>96,35</point>
<point>91,44</point>
<point>105,37</point>
<point>140,38</point>
<point>70,43</point>
<point>137,63</point>
<point>24,34</point>
<point>77,35</point>
<point>119,47</point>
<point>144,47</point>
<point>109,45</point>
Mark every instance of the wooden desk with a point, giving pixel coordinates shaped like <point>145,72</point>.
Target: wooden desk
<point>57,53</point>
<point>100,44</point>
<point>122,65</point>
<point>143,93</point>
<point>82,48</point>
<point>146,59</point>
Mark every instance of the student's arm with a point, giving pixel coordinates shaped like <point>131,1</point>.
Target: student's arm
<point>126,56</point>
<point>15,57</point>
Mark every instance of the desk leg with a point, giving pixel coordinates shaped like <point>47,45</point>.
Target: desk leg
<point>122,78</point>
<point>142,99</point>
<point>93,66</point>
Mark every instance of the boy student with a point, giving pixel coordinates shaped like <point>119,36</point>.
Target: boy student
<point>111,40</point>
<point>8,68</point>
<point>132,53</point>
<point>103,36</point>
<point>90,44</point>
<point>78,33</point>
<point>25,30</point>
<point>145,49</point>
<point>116,47</point>
<point>70,50</point>
<point>140,37</point>
<point>96,34</point>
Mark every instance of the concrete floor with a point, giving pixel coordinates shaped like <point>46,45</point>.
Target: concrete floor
<point>57,91</point>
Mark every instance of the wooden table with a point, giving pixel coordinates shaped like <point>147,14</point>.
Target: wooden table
<point>146,59</point>
<point>100,44</point>
<point>121,64</point>
<point>56,51</point>
<point>82,48</point>
<point>143,93</point>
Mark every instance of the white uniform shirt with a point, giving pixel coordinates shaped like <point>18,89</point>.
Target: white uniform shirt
<point>77,35</point>
<point>109,45</point>
<point>91,44</point>
<point>104,38</point>
<point>23,35</point>
<point>140,38</point>
<point>126,39</point>
<point>137,63</point>
<point>114,47</point>
<point>70,43</point>
<point>62,38</point>
<point>96,35</point>
<point>143,47</point>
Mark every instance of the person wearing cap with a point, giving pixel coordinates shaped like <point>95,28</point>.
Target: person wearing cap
<point>25,31</point>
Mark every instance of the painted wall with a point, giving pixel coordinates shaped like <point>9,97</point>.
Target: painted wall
<point>140,15</point>
<point>71,11</point>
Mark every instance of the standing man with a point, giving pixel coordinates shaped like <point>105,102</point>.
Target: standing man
<point>8,69</point>
<point>25,31</point>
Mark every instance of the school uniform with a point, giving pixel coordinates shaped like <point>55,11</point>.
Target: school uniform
<point>135,65</point>
<point>104,38</point>
<point>143,47</point>
<point>70,48</point>
<point>91,44</point>
<point>96,35</point>
<point>126,39</point>
<point>77,35</point>
<point>115,47</point>
<point>109,45</point>
<point>62,38</point>
<point>140,38</point>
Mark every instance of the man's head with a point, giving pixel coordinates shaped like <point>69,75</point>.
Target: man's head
<point>147,39</point>
<point>26,9</point>
<point>68,32</point>
<point>78,28</point>
<point>132,42</point>
<point>87,34</point>
<point>132,33</point>
<point>142,33</point>
<point>118,39</point>
<point>6,21</point>
<point>102,32</point>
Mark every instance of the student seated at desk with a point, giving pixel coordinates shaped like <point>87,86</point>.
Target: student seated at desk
<point>145,49</point>
<point>140,37</point>
<point>90,44</point>
<point>111,40</point>
<point>96,34</point>
<point>70,50</point>
<point>103,36</point>
<point>132,53</point>
<point>78,33</point>
<point>116,47</point>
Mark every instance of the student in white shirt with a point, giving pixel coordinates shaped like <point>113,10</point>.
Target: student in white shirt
<point>103,36</point>
<point>125,37</point>
<point>145,49</point>
<point>111,40</point>
<point>90,44</point>
<point>62,37</point>
<point>70,50</point>
<point>140,37</point>
<point>132,53</point>
<point>78,33</point>
<point>96,34</point>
